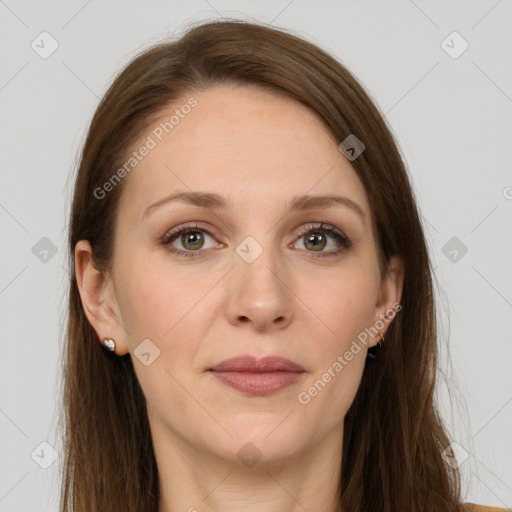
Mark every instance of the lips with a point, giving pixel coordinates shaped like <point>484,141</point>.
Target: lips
<point>258,377</point>
<point>254,365</point>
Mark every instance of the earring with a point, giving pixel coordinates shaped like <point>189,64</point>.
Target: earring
<point>371,354</point>
<point>381,341</point>
<point>109,344</point>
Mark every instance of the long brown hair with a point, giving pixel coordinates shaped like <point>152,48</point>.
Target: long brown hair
<point>393,434</point>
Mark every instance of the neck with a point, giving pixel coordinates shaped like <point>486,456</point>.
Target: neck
<point>199,481</point>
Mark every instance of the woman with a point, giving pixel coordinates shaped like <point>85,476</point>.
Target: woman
<point>251,324</point>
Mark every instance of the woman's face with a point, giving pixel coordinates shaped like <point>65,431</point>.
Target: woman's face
<point>251,277</point>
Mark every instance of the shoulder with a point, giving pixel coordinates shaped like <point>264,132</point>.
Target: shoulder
<point>471,507</point>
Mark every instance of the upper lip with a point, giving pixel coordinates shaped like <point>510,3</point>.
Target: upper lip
<point>253,364</point>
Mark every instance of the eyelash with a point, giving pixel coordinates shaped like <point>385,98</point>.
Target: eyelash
<point>345,242</point>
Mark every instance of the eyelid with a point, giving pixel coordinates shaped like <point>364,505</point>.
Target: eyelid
<point>189,227</point>
<point>318,225</point>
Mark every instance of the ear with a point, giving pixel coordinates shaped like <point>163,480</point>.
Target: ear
<point>390,294</point>
<point>98,298</point>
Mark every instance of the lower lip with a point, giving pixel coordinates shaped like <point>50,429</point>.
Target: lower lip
<point>258,384</point>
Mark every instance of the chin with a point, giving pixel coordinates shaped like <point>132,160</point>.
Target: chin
<point>269,443</point>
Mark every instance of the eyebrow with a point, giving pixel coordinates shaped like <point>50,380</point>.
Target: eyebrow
<point>216,202</point>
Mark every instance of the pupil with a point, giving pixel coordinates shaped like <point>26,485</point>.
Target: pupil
<point>320,244</point>
<point>195,238</point>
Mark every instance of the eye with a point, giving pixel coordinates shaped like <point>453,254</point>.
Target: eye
<point>190,237</point>
<point>317,237</point>
<point>314,237</point>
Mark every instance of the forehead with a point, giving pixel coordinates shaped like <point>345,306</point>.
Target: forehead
<point>246,143</point>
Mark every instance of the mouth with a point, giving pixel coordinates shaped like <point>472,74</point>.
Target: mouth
<point>258,377</point>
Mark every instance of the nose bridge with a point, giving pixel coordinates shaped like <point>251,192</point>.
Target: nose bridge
<point>259,258</point>
<point>259,293</point>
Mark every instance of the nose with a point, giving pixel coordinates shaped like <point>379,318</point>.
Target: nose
<point>259,294</point>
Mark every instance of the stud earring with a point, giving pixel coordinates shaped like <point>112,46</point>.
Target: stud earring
<point>109,344</point>
<point>371,354</point>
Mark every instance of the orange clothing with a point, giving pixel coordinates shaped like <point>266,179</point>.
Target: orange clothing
<point>471,507</point>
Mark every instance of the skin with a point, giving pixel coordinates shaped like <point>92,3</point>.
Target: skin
<point>259,149</point>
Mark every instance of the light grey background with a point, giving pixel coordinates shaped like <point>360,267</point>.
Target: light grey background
<point>452,120</point>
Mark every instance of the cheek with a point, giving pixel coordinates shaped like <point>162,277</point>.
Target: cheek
<point>167,309</point>
<point>345,303</point>
<point>156,300</point>
<point>339,357</point>
<point>150,307</point>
